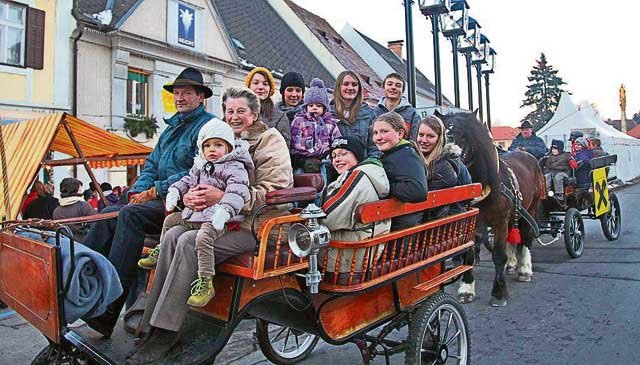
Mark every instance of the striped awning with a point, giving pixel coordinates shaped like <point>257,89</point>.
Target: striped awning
<point>24,145</point>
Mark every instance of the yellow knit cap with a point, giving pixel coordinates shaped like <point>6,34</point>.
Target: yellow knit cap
<point>272,82</point>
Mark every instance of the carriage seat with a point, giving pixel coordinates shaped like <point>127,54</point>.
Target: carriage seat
<point>305,188</point>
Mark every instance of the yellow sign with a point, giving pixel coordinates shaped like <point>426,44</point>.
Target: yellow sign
<point>167,101</point>
<point>600,191</point>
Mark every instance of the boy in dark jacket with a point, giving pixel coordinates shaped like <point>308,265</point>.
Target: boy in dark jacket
<point>556,167</point>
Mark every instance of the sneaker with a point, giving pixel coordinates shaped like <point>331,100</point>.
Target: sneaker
<point>149,262</point>
<point>201,291</point>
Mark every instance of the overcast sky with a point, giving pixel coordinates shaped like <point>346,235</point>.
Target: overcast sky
<point>589,42</point>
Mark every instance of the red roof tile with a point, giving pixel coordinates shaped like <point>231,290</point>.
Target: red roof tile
<point>504,132</point>
<point>635,132</point>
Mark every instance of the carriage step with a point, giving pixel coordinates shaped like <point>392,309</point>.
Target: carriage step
<point>435,282</point>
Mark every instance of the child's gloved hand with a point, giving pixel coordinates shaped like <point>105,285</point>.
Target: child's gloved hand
<point>220,217</point>
<point>173,196</point>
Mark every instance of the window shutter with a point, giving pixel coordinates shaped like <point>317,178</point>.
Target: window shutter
<point>34,57</point>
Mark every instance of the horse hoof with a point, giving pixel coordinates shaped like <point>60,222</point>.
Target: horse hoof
<point>496,302</point>
<point>523,278</point>
<point>466,298</point>
<point>510,270</point>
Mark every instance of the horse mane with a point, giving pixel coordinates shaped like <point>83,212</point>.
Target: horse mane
<point>483,162</point>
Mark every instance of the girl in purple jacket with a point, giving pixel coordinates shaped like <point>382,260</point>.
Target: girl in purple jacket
<point>225,163</point>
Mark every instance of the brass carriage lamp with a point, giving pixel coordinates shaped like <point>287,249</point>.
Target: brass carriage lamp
<point>456,22</point>
<point>307,240</point>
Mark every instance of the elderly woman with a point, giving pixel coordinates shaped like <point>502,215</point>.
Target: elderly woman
<point>177,264</point>
<point>360,181</point>
<point>262,83</point>
<point>354,116</point>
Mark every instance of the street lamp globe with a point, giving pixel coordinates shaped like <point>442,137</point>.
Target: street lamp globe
<point>430,7</point>
<point>455,23</point>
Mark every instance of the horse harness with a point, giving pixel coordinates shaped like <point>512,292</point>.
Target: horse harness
<point>514,195</point>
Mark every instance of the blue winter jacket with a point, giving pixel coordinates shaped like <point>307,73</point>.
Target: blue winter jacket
<point>406,111</point>
<point>172,158</point>
<point>534,145</point>
<point>362,127</point>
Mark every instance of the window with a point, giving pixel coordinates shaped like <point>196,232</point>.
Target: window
<point>12,33</point>
<point>137,93</point>
<point>21,35</point>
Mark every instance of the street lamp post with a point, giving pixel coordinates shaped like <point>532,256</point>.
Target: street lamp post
<point>468,45</point>
<point>487,70</point>
<point>455,24</point>
<point>478,59</point>
<point>432,9</point>
<point>411,63</point>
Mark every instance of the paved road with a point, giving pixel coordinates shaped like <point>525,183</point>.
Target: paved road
<point>575,311</point>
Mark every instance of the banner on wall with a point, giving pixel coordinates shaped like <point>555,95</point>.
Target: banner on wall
<point>186,25</point>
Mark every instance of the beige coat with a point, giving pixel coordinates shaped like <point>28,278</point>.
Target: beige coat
<point>365,183</point>
<point>272,171</point>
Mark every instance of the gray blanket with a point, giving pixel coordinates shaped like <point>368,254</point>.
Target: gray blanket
<point>94,282</point>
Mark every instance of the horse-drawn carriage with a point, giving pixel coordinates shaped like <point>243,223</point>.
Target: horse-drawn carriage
<point>289,285</point>
<point>563,217</point>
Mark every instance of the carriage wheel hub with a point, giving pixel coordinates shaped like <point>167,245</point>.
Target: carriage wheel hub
<point>443,353</point>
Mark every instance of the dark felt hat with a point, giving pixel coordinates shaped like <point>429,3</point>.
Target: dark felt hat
<point>526,124</point>
<point>190,77</point>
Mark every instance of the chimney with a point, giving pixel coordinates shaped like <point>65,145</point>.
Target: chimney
<point>396,47</point>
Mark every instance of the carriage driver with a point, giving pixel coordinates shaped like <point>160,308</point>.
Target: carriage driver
<point>121,239</point>
<point>527,141</point>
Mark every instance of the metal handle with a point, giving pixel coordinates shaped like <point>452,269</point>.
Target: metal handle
<point>66,231</point>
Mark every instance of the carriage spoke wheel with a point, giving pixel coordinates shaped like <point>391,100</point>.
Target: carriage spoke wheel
<point>574,233</point>
<point>284,345</point>
<point>611,222</point>
<point>438,333</point>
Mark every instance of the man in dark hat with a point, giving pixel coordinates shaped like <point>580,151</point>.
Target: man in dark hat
<point>172,158</point>
<point>292,90</point>
<point>527,141</point>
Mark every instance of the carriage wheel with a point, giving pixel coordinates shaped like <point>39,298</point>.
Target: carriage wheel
<point>611,222</point>
<point>284,345</point>
<point>439,333</point>
<point>574,233</point>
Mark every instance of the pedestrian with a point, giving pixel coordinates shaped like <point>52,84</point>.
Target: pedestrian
<point>403,164</point>
<point>527,141</point>
<point>394,101</point>
<point>596,148</point>
<point>172,158</point>
<point>312,131</point>
<point>73,205</point>
<point>110,195</point>
<point>292,89</point>
<point>261,82</point>
<point>221,162</point>
<point>91,196</point>
<point>36,190</point>
<point>355,118</point>
<point>44,205</point>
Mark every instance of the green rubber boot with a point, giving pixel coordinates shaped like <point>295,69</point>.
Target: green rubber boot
<point>149,262</point>
<point>201,291</point>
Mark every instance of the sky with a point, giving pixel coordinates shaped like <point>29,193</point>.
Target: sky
<point>589,42</point>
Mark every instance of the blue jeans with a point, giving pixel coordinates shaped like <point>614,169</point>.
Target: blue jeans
<point>122,239</point>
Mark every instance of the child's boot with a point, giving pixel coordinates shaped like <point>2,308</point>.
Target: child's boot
<point>201,291</point>
<point>149,262</point>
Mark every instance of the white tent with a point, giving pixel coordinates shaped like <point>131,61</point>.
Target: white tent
<point>568,117</point>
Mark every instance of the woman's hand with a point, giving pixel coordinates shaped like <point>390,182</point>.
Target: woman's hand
<point>202,197</point>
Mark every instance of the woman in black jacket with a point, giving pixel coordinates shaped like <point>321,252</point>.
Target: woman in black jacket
<point>403,164</point>
<point>431,142</point>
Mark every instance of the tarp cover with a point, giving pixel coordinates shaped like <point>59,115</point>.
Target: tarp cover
<point>23,146</point>
<point>569,117</point>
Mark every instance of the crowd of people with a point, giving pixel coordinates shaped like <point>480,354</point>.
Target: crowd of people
<point>211,175</point>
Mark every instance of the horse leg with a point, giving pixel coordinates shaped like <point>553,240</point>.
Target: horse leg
<point>499,292</point>
<point>467,289</point>
<point>512,259</point>
<point>525,270</point>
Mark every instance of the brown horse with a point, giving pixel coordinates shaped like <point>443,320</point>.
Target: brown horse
<point>518,172</point>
